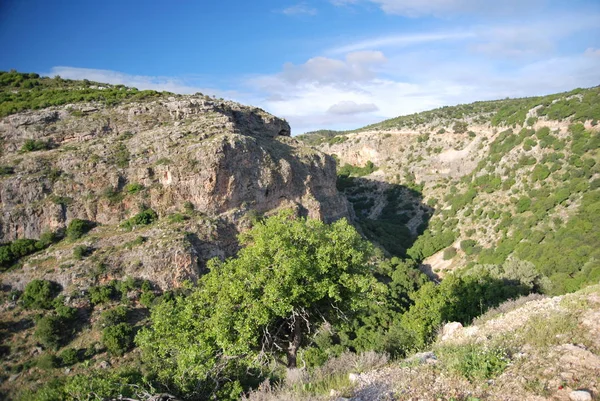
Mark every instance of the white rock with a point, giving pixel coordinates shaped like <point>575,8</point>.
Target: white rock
<point>449,329</point>
<point>353,377</point>
<point>580,395</point>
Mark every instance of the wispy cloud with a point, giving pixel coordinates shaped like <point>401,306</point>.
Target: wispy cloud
<point>447,8</point>
<point>299,9</point>
<point>401,40</point>
<point>181,85</point>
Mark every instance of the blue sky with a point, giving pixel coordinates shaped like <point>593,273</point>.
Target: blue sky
<point>334,64</point>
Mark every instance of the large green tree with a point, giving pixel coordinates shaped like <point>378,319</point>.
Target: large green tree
<point>292,276</point>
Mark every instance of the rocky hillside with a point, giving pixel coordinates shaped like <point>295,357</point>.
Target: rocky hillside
<point>481,183</point>
<point>533,348</point>
<point>162,182</point>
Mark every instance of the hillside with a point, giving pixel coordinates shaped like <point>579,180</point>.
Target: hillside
<point>481,183</point>
<point>533,348</point>
<point>156,246</point>
<point>196,165</point>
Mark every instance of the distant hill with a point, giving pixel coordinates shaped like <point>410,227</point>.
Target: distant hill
<point>487,181</point>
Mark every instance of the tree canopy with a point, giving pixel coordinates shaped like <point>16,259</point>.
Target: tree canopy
<point>292,276</point>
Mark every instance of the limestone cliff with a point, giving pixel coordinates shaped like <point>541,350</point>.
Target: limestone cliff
<point>106,163</point>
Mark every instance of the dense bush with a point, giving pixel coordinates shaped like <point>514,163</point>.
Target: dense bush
<point>32,145</point>
<point>144,218</point>
<point>118,339</point>
<point>39,294</point>
<point>77,228</point>
<point>101,294</point>
<point>449,253</point>
<point>69,356</point>
<point>114,316</point>
<point>51,331</point>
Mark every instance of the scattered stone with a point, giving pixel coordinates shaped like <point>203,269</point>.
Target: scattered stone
<point>423,357</point>
<point>104,365</point>
<point>580,395</point>
<point>353,377</point>
<point>449,329</point>
<point>14,377</point>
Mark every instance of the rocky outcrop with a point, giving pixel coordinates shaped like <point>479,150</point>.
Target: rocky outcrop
<point>105,164</point>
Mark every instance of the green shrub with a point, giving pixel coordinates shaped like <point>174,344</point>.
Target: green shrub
<point>77,228</point>
<point>468,246</point>
<point>81,251</point>
<point>474,361</point>
<point>114,316</point>
<point>143,218</point>
<point>118,339</point>
<point>32,145</point>
<point>449,253</point>
<point>69,356</point>
<point>101,294</point>
<point>147,298</point>
<point>188,206</point>
<point>51,331</point>
<point>47,361</point>
<point>6,170</point>
<point>133,188</point>
<point>39,294</point>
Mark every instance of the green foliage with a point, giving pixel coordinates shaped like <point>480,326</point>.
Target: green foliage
<point>458,298</point>
<point>23,91</point>
<point>143,218</point>
<point>120,156</point>
<point>51,331</point>
<point>6,170</point>
<point>101,294</point>
<point>292,274</point>
<point>474,362</point>
<point>118,339</point>
<point>133,188</point>
<point>96,385</point>
<point>147,298</point>
<point>114,316</point>
<point>47,361</point>
<point>77,228</point>
<point>32,145</point>
<point>81,251</point>
<point>449,253</point>
<point>69,356</point>
<point>348,170</point>
<point>39,294</point>
<point>523,204</point>
<point>429,243</point>
<point>460,127</point>
<point>316,138</point>
<point>468,246</point>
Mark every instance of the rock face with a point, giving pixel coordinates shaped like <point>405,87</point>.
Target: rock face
<point>105,164</point>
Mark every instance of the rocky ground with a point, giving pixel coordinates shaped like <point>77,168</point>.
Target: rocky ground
<point>554,354</point>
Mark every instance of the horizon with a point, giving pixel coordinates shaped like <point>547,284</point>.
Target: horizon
<point>337,64</point>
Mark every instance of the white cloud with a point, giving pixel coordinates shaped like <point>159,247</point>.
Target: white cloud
<point>349,107</point>
<point>299,9</point>
<point>357,66</point>
<point>401,41</point>
<point>158,83</point>
<point>169,84</point>
<point>446,8</point>
<point>592,52</point>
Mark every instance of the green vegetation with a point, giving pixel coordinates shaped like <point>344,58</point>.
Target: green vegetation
<point>77,228</point>
<point>472,361</point>
<point>449,253</point>
<point>143,218</point>
<point>316,138</point>
<point>39,294</point>
<point>29,91</point>
<point>118,339</point>
<point>32,145</point>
